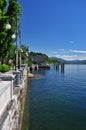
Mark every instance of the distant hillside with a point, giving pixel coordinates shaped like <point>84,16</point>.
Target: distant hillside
<point>69,62</point>
<point>83,62</point>
<point>40,58</point>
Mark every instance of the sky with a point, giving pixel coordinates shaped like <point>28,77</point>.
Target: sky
<point>55,27</point>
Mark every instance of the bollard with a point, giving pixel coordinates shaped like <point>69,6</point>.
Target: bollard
<point>21,74</point>
<point>17,77</point>
<point>23,67</point>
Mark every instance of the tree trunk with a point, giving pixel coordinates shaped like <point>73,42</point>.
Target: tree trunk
<point>1,61</point>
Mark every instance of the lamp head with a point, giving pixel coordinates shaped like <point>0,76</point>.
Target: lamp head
<point>8,26</point>
<point>13,36</point>
<point>21,50</point>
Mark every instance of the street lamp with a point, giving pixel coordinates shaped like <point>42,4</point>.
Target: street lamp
<point>20,45</point>
<point>15,36</point>
<point>16,44</point>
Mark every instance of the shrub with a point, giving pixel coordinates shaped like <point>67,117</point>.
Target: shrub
<point>4,68</point>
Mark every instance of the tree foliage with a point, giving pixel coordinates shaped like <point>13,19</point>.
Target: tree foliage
<point>4,68</point>
<point>10,57</point>
<point>9,12</point>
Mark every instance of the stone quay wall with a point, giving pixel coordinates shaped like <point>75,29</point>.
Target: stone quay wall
<point>11,85</point>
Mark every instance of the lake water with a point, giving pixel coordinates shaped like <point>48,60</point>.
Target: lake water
<point>57,99</point>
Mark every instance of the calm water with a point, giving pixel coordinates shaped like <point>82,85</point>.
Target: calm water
<point>58,99</point>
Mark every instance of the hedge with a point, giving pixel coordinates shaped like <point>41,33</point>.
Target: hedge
<point>4,68</point>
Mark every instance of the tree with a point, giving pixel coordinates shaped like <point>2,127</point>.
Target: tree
<point>3,4</point>
<point>9,14</point>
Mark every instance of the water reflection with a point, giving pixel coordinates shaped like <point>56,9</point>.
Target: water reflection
<point>57,67</point>
<point>60,68</point>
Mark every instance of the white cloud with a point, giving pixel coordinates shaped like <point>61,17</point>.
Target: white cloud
<point>70,54</point>
<point>67,57</point>
<point>78,51</point>
<point>71,57</point>
<point>59,51</point>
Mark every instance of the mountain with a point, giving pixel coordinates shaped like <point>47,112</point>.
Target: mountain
<point>69,62</point>
<point>73,62</point>
<point>83,62</point>
<point>58,59</point>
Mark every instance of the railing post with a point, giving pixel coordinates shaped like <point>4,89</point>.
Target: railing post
<point>17,77</point>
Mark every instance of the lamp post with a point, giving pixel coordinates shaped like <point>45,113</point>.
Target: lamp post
<point>27,58</point>
<point>16,45</point>
<point>15,36</point>
<point>20,46</point>
<point>20,56</point>
<point>18,33</point>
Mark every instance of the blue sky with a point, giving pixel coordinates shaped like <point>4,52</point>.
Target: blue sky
<point>55,27</point>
